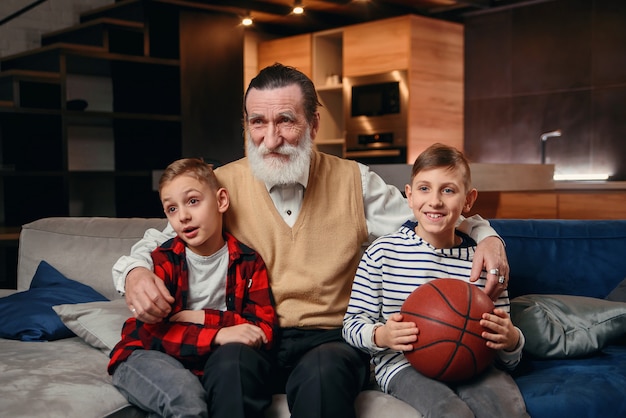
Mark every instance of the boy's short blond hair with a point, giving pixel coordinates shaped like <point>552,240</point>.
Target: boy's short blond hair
<point>441,155</point>
<point>193,167</point>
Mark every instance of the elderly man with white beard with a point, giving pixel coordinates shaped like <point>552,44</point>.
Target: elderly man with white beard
<point>308,214</point>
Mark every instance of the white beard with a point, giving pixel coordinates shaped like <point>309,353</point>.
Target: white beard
<point>277,171</point>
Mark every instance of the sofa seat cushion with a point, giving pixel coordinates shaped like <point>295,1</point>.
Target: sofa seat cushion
<point>370,403</point>
<point>62,378</point>
<point>590,387</point>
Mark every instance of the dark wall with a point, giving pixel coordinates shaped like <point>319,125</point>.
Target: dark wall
<point>553,65</point>
<point>211,64</point>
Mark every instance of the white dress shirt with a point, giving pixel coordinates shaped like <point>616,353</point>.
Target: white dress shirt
<point>385,206</point>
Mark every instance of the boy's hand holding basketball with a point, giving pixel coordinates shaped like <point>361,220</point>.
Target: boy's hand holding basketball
<point>504,335</point>
<point>396,334</point>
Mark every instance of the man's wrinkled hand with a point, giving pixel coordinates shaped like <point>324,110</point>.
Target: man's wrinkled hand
<point>490,256</point>
<point>146,296</point>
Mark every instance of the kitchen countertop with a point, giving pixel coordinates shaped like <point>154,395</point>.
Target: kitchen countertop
<point>590,185</point>
<point>487,177</point>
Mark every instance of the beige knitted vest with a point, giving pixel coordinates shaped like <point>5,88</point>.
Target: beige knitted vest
<point>312,265</point>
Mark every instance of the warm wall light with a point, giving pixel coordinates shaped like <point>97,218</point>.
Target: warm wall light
<point>247,20</point>
<point>581,177</point>
<point>298,9</point>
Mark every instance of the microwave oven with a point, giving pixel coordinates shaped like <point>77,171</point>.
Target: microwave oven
<point>376,108</point>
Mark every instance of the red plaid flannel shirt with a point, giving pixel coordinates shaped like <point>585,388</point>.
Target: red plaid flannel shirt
<point>248,300</point>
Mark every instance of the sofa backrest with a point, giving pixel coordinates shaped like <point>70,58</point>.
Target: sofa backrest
<point>83,249</point>
<point>572,257</point>
<point>585,258</point>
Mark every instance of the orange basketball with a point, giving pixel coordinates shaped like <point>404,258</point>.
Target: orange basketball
<point>449,345</point>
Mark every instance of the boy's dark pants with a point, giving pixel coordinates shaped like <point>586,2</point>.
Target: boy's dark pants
<point>319,372</point>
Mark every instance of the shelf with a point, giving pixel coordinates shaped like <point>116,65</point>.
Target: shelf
<point>330,141</point>
<point>333,88</point>
<point>327,71</point>
<point>27,111</point>
<point>115,35</point>
<point>106,118</point>
<point>79,60</point>
<point>88,117</point>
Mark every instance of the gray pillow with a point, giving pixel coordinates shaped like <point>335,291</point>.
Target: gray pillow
<point>563,326</point>
<point>99,324</point>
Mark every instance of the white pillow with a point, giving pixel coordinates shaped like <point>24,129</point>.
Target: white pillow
<point>99,324</point>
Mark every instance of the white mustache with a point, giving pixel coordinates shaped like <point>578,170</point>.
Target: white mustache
<point>283,149</point>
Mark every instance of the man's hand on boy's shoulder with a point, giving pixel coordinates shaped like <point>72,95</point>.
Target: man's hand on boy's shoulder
<point>490,256</point>
<point>146,296</point>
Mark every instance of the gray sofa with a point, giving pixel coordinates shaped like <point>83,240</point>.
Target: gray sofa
<point>67,377</point>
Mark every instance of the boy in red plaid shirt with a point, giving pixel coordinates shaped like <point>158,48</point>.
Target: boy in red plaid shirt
<point>222,302</point>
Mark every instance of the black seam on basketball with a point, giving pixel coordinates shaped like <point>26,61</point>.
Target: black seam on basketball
<point>440,322</point>
<point>452,356</point>
<point>445,298</point>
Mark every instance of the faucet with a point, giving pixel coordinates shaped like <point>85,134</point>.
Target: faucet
<point>544,137</point>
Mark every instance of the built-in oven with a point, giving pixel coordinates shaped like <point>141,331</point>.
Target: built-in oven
<point>376,111</point>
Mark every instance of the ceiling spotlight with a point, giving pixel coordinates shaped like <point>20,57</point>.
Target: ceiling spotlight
<point>247,20</point>
<point>298,9</point>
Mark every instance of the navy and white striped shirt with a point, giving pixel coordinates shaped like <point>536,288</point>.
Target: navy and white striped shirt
<point>390,269</point>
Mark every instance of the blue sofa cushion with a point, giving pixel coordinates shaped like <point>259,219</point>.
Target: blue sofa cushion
<point>590,387</point>
<point>28,315</point>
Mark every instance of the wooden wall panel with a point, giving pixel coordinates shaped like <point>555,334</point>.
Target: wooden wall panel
<point>295,51</point>
<point>436,80</point>
<point>548,65</point>
<point>211,66</point>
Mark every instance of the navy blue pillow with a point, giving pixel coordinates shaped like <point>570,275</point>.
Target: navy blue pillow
<point>28,315</point>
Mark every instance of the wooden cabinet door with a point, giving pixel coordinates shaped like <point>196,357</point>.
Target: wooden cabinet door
<point>527,205</point>
<point>377,47</point>
<point>294,51</point>
<point>578,205</point>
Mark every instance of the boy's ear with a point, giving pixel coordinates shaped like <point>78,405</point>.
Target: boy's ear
<point>223,200</point>
<point>470,199</point>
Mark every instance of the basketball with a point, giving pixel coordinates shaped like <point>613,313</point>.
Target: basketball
<point>449,346</point>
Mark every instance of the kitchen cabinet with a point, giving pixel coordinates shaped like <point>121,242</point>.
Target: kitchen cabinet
<point>377,47</point>
<point>555,204</point>
<point>327,76</point>
<point>430,50</point>
<point>319,56</point>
